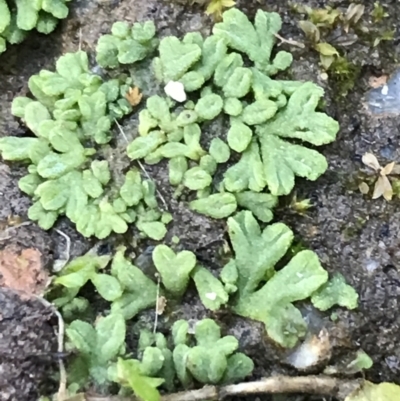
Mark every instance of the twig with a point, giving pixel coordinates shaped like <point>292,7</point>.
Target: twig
<point>9,229</point>
<point>290,41</point>
<point>141,165</point>
<point>80,39</point>
<point>62,388</point>
<point>157,300</point>
<point>320,385</point>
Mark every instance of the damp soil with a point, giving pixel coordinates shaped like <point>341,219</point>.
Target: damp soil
<point>351,233</point>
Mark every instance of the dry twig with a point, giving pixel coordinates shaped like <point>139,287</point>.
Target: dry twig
<point>320,385</point>
<point>290,41</point>
<point>62,388</point>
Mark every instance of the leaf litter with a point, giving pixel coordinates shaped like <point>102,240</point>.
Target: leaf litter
<point>22,270</point>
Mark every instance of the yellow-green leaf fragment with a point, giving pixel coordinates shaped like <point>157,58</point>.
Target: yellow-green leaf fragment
<point>326,49</point>
<point>375,392</point>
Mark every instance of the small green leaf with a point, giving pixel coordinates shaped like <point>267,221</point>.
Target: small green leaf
<point>143,32</point>
<point>18,106</point>
<point>282,60</point>
<point>259,112</point>
<point>101,171</point>
<point>128,373</point>
<point>239,83</point>
<point>174,268</point>
<point>208,164</point>
<point>5,18</point>
<point>177,57</point>
<point>192,81</point>
<point>91,184</point>
<point>107,286</point>
<point>110,333</point>
<point>239,366</point>
<point>76,279</point>
<point>152,361</point>
<point>177,167</point>
<point>259,204</point>
<point>210,289</point>
<point>153,229</point>
<point>335,292</point>
<point>239,136</point>
<point>217,206</point>
<point>132,191</point>
<point>233,106</point>
<point>82,335</point>
<point>219,150</point>
<point>196,178</point>
<point>120,29</point>
<point>226,68</point>
<point>142,146</point>
<point>208,107</point>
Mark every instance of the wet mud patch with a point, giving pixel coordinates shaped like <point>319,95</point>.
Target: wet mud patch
<point>351,233</point>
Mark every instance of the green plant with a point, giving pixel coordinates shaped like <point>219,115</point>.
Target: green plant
<point>212,360</point>
<point>67,174</point>
<point>266,294</point>
<point>98,345</point>
<point>230,79</point>
<point>17,17</point>
<point>126,44</point>
<point>259,128</point>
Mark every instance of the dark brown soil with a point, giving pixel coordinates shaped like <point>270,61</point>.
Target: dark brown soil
<point>351,233</point>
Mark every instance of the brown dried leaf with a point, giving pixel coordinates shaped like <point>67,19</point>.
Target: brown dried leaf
<point>387,169</point>
<point>161,305</point>
<point>383,187</point>
<point>22,270</point>
<point>134,96</point>
<point>371,161</point>
<point>354,12</point>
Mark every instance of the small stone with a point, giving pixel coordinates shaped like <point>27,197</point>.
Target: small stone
<point>176,91</point>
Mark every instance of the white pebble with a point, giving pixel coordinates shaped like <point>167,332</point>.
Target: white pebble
<point>176,91</point>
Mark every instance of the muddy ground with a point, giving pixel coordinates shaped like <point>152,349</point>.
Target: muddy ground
<point>352,234</point>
